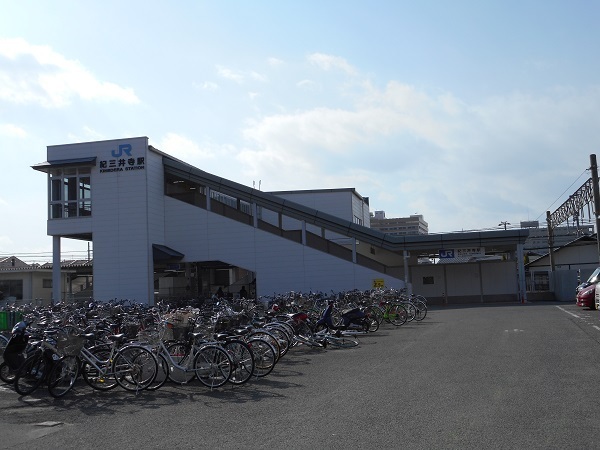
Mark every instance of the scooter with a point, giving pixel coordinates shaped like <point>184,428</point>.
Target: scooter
<point>354,321</point>
<point>14,352</point>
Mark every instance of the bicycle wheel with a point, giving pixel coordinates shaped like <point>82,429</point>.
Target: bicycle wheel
<point>421,310</point>
<point>3,344</point>
<point>242,360</point>
<point>373,323</point>
<point>135,367</point>
<point>63,375</point>
<point>180,355</point>
<point>292,332</point>
<point>162,375</point>
<point>411,310</point>
<point>397,315</point>
<point>265,357</point>
<point>269,337</point>
<point>313,341</point>
<point>7,374</point>
<point>99,375</point>
<point>212,366</point>
<point>304,331</point>
<point>336,317</point>
<point>282,339</point>
<point>340,342</point>
<point>31,374</point>
<point>375,313</point>
<point>286,327</point>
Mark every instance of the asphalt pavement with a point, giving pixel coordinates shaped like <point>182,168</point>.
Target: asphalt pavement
<point>488,376</point>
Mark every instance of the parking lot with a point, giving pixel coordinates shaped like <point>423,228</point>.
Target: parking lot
<point>492,376</point>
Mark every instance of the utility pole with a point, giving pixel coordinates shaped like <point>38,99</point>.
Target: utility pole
<point>596,191</point>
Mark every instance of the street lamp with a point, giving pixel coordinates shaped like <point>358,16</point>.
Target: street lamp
<point>504,223</point>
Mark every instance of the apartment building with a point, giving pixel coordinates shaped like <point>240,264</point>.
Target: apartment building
<point>399,226</point>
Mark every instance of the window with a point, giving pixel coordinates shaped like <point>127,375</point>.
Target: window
<point>428,280</point>
<point>70,193</point>
<point>541,281</point>
<point>11,288</point>
<point>185,191</point>
<point>47,283</point>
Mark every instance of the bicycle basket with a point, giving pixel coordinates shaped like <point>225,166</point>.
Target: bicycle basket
<point>70,345</point>
<point>150,336</point>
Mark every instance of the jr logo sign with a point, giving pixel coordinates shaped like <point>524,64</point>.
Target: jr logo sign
<point>123,148</point>
<point>122,160</point>
<point>447,253</point>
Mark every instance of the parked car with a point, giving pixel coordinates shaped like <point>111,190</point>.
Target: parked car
<point>587,296</point>
<point>593,279</point>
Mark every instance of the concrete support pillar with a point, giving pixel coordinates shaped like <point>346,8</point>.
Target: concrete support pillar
<point>407,280</point>
<point>521,273</point>
<point>304,232</point>
<point>56,278</point>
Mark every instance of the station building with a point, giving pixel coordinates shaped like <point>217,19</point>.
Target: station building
<point>161,225</point>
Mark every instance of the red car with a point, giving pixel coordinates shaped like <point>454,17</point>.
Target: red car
<point>586,296</point>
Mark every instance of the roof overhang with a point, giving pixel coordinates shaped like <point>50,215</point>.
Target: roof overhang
<point>62,163</point>
<point>162,253</point>
<point>498,240</point>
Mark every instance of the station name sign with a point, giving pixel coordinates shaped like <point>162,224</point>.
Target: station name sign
<point>122,161</point>
<point>461,252</point>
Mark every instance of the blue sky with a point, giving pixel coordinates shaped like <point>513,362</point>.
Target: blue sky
<point>470,113</point>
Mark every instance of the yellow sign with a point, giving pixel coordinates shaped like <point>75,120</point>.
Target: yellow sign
<point>378,282</point>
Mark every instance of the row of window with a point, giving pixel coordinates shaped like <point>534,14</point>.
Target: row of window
<point>14,288</point>
<point>194,194</point>
<point>70,193</point>
<point>11,289</point>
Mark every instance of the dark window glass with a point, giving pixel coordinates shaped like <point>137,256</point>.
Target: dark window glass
<point>11,288</point>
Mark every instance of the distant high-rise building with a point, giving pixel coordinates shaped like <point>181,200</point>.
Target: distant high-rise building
<point>399,226</point>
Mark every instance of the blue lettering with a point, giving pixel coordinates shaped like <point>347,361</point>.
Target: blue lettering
<point>123,148</point>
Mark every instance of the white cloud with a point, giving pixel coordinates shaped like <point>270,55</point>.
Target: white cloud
<point>238,76</point>
<point>87,134</point>
<point>329,62</point>
<point>258,77</point>
<point>230,74</point>
<point>5,241</point>
<point>306,84</point>
<point>37,74</point>
<point>11,130</point>
<point>272,61</point>
<point>184,148</point>
<point>206,86</point>
<point>396,110</point>
<point>459,164</point>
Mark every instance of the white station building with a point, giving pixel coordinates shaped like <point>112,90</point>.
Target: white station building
<point>161,227</point>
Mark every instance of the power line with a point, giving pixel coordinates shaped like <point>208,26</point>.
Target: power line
<point>561,195</point>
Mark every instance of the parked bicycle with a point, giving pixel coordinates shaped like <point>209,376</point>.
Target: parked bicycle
<point>54,362</point>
